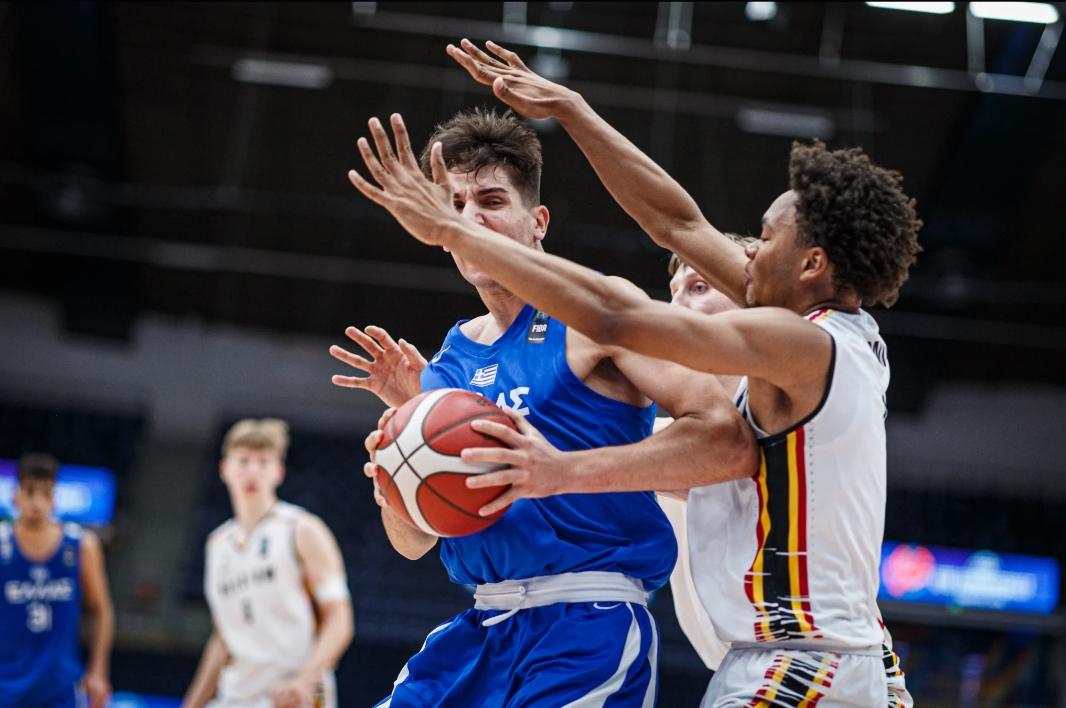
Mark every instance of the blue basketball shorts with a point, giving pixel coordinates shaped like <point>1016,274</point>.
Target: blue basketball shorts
<point>565,654</point>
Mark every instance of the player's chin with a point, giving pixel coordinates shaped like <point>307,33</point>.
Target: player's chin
<point>749,297</point>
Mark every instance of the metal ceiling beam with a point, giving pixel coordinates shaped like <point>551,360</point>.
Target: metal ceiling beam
<point>912,75</point>
<point>176,255</point>
<point>602,94</point>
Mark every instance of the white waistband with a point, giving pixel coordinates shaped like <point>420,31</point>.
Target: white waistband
<point>589,586</point>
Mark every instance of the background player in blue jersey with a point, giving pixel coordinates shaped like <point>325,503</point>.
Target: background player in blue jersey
<point>577,566</point>
<point>48,570</point>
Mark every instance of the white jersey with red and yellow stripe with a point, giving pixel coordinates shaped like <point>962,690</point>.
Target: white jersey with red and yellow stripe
<point>791,555</point>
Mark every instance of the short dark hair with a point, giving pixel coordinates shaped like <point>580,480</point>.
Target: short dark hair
<point>37,466</point>
<point>479,137</point>
<point>859,214</point>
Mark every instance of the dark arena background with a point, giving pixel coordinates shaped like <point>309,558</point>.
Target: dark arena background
<point>179,245</point>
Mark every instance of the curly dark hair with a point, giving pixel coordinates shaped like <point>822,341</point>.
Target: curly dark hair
<point>859,214</point>
<point>478,137</point>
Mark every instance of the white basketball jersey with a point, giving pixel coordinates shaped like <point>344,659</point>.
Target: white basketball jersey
<point>690,613</point>
<point>791,555</point>
<point>259,602</point>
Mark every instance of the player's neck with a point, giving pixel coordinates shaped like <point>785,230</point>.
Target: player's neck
<point>503,309</point>
<point>36,540</point>
<point>826,299</point>
<point>249,511</point>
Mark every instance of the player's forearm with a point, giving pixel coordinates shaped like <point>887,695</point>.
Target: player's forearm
<point>334,636</point>
<point>692,452</point>
<point>579,296</point>
<point>409,542</point>
<point>654,199</point>
<point>205,682</point>
<point>643,189</point>
<point>101,623</point>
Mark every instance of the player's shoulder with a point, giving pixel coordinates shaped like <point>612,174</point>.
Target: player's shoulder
<point>75,531</point>
<point>290,514</point>
<point>221,531</point>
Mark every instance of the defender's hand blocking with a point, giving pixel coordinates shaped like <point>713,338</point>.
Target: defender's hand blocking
<point>393,368</point>
<point>423,207</point>
<point>511,80</point>
<point>536,468</point>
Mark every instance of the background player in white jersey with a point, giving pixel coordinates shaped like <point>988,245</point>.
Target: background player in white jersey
<point>49,571</point>
<point>788,569</point>
<point>690,289</point>
<point>269,572</point>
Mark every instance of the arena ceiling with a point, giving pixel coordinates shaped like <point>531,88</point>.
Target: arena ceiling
<point>190,159</point>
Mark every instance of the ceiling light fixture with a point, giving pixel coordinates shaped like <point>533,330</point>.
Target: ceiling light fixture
<point>932,8</point>
<point>760,11</point>
<point>282,73</point>
<point>1038,12</point>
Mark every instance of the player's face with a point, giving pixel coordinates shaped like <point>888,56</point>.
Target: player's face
<point>252,472</point>
<point>775,261</point>
<point>33,499</point>
<point>488,197</point>
<point>689,289</point>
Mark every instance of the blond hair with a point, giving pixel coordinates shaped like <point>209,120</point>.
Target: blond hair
<point>258,434</point>
<point>676,263</point>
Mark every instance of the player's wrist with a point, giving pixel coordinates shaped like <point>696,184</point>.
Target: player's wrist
<point>569,107</point>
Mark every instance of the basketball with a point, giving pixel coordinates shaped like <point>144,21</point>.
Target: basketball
<point>419,469</point>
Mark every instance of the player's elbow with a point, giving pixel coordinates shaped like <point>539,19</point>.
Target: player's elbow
<point>340,614</point>
<point>620,322</point>
<point>415,550</point>
<point>738,452</point>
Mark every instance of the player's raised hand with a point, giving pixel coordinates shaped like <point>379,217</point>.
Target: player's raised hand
<point>393,368</point>
<point>535,467</point>
<point>511,80</point>
<point>422,206</point>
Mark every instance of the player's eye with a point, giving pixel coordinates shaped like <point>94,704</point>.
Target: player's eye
<point>699,287</point>
<point>458,206</point>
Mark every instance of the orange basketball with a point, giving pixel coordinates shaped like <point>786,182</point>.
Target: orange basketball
<point>419,468</point>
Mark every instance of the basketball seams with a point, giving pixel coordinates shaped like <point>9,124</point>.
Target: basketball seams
<point>410,447</point>
<point>448,501</point>
<point>454,426</point>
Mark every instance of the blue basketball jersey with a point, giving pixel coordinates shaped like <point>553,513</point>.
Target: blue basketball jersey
<point>40,612</point>
<point>526,369</point>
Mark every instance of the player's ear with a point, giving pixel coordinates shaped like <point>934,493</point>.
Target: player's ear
<point>541,217</point>
<point>815,264</point>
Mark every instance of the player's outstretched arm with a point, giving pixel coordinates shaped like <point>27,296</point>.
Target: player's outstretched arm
<point>648,194</point>
<point>205,681</point>
<point>100,615</point>
<point>323,564</point>
<point>392,367</point>
<point>768,343</point>
<point>708,442</point>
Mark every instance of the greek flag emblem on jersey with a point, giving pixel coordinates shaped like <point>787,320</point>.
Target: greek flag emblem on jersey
<point>485,376</point>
